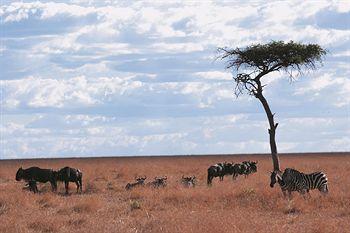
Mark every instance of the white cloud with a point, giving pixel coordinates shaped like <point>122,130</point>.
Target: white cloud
<point>97,63</point>
<point>18,11</point>
<point>320,86</point>
<point>215,75</point>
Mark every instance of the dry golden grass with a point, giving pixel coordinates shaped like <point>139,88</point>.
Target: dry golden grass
<point>245,205</point>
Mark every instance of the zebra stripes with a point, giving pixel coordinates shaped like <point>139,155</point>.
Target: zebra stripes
<point>293,180</point>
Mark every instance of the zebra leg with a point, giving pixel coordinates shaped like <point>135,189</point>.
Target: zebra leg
<point>302,192</point>
<point>308,193</point>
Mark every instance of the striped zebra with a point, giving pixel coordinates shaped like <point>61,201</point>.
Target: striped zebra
<point>293,180</point>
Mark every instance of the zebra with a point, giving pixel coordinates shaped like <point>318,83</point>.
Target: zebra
<point>292,180</point>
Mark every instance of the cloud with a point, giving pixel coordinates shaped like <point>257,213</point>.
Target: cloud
<point>319,87</point>
<point>108,77</point>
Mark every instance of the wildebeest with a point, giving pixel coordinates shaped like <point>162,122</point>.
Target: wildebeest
<point>68,174</point>
<point>36,174</point>
<point>159,182</point>
<point>189,181</point>
<point>245,168</point>
<point>140,181</point>
<point>219,170</point>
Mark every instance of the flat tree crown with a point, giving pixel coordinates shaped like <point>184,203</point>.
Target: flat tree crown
<point>273,56</point>
<point>257,60</point>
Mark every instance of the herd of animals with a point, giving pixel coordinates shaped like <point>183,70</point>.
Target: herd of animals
<point>290,180</point>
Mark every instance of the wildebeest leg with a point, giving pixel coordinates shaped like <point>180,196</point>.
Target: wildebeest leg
<point>209,180</point>
<point>81,184</point>
<point>53,185</point>
<point>66,184</point>
<point>234,177</point>
<point>34,187</point>
<point>77,183</point>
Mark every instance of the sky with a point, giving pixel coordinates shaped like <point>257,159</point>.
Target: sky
<point>130,78</point>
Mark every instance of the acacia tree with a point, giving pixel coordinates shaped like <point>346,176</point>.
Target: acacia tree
<point>253,63</point>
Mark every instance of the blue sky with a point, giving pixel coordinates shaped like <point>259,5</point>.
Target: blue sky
<point>110,78</point>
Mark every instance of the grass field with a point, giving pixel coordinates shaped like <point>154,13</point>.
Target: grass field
<point>245,205</point>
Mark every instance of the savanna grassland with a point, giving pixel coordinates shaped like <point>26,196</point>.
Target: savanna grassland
<point>245,205</point>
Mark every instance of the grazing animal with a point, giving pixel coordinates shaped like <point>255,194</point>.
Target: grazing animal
<point>159,182</point>
<point>245,168</point>
<point>239,169</point>
<point>36,174</point>
<point>68,174</point>
<point>140,181</point>
<point>219,170</point>
<point>251,167</point>
<point>293,180</point>
<point>189,181</point>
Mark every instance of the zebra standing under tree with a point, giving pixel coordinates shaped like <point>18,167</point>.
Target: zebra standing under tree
<point>293,180</point>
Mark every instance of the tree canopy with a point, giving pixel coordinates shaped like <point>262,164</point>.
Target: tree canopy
<point>260,59</point>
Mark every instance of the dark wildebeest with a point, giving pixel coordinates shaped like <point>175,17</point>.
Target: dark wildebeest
<point>36,174</point>
<point>245,168</point>
<point>68,174</point>
<point>159,182</point>
<point>140,181</point>
<point>239,169</point>
<point>219,170</point>
<point>189,181</point>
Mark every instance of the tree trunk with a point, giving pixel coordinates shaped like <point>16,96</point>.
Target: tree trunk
<point>272,130</point>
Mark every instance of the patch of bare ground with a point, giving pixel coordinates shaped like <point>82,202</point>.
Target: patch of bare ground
<point>243,205</point>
